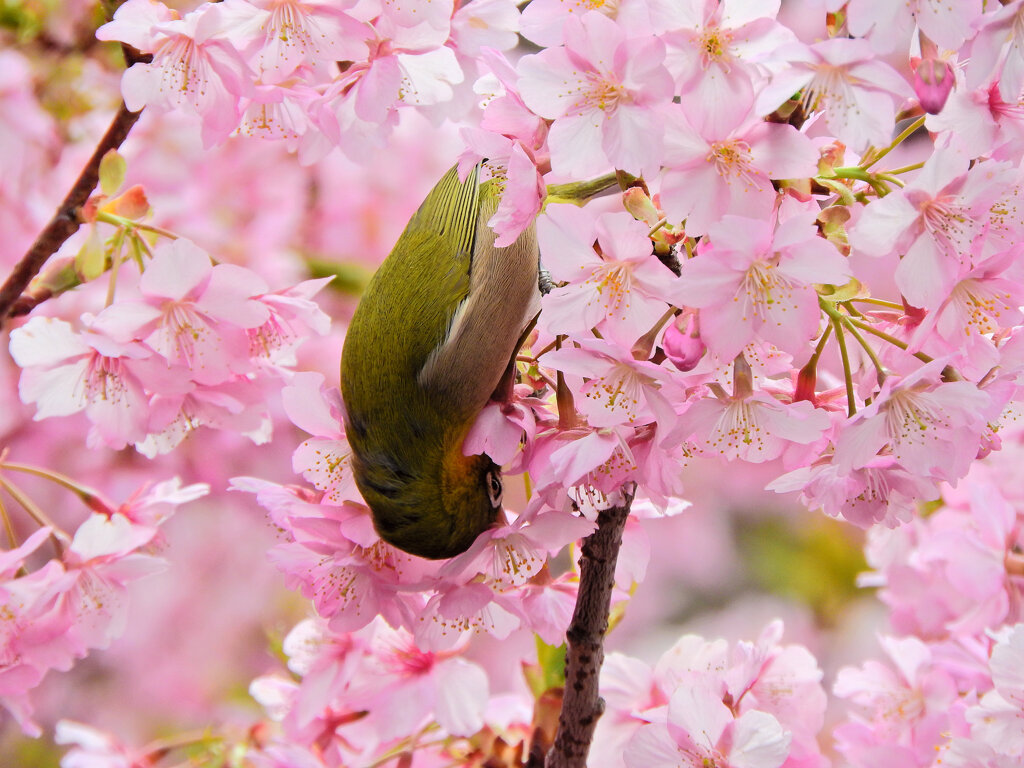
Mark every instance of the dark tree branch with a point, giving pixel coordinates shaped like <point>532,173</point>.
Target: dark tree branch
<point>581,705</point>
<point>66,220</point>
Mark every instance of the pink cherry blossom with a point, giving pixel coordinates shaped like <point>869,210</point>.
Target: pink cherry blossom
<point>750,279</point>
<point>905,704</point>
<point>136,23</point>
<point>484,24</point>
<point>543,21</point>
<point>858,92</point>
<point>933,81</point>
<point>682,343</point>
<point>620,291</point>
<point>997,51</point>
<point>714,169</point>
<point>700,730</point>
<point>192,313</point>
<point>754,426</point>
<point>64,372</point>
<point>984,301</point>
<point>982,121</point>
<point>406,685</point>
<point>500,428</point>
<point>407,64</point>
<point>563,459</point>
<point>194,68</point>
<point>294,33</point>
<point>629,688</point>
<point>457,608</point>
<point>947,574</point>
<point>324,459</point>
<point>510,555</point>
<point>932,223</point>
<point>237,405</point>
<point>998,720</point>
<point>932,428</point>
<point>34,634</point>
<point>92,748</point>
<point>293,318</point>
<point>881,492</point>
<point>889,24</point>
<point>721,54</point>
<point>615,390</point>
<point>104,559</point>
<point>601,90</point>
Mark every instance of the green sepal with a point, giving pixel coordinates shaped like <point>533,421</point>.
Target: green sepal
<point>91,259</point>
<point>837,294</point>
<point>113,169</point>
<point>549,671</point>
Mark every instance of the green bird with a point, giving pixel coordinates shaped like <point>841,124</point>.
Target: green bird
<point>433,339</point>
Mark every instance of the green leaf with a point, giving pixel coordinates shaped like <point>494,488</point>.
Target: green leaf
<point>113,169</point>
<point>91,260</point>
<point>551,659</point>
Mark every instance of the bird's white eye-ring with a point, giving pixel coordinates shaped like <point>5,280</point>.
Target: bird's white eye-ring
<point>494,487</point>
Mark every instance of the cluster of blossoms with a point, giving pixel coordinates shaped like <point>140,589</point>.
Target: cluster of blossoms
<point>952,582</point>
<point>814,262</point>
<point>76,602</point>
<point>192,344</point>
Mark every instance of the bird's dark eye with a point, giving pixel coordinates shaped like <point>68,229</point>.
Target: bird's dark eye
<point>494,487</point>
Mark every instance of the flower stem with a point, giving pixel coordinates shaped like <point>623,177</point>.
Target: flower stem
<point>578,192</point>
<point>8,527</point>
<point>837,322</point>
<point>905,169</point>
<point>880,303</point>
<point>115,266</point>
<point>88,495</point>
<point>157,750</point>
<point>37,514</point>
<point>891,339</point>
<point>910,129</point>
<point>879,368</point>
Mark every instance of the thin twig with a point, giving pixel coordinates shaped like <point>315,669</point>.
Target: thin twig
<point>66,220</point>
<point>581,705</point>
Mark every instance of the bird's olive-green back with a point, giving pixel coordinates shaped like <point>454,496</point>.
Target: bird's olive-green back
<point>406,419</point>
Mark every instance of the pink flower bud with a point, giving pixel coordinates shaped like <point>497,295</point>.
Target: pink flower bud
<point>638,203</point>
<point>933,80</point>
<point>683,348</point>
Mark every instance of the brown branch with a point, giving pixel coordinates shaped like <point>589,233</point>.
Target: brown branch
<point>66,220</point>
<point>581,705</point>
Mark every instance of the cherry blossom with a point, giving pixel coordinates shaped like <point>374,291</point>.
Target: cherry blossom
<point>66,372</point>
<point>191,313</point>
<point>997,718</point>
<point>194,66</point>
<point>600,90</point>
<point>932,428</point>
<point>619,291</point>
<point>906,708</point>
<point>752,280</point>
<point>701,730</point>
<point>858,92</point>
<point>996,51</point>
<point>932,222</point>
<point>721,54</point>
